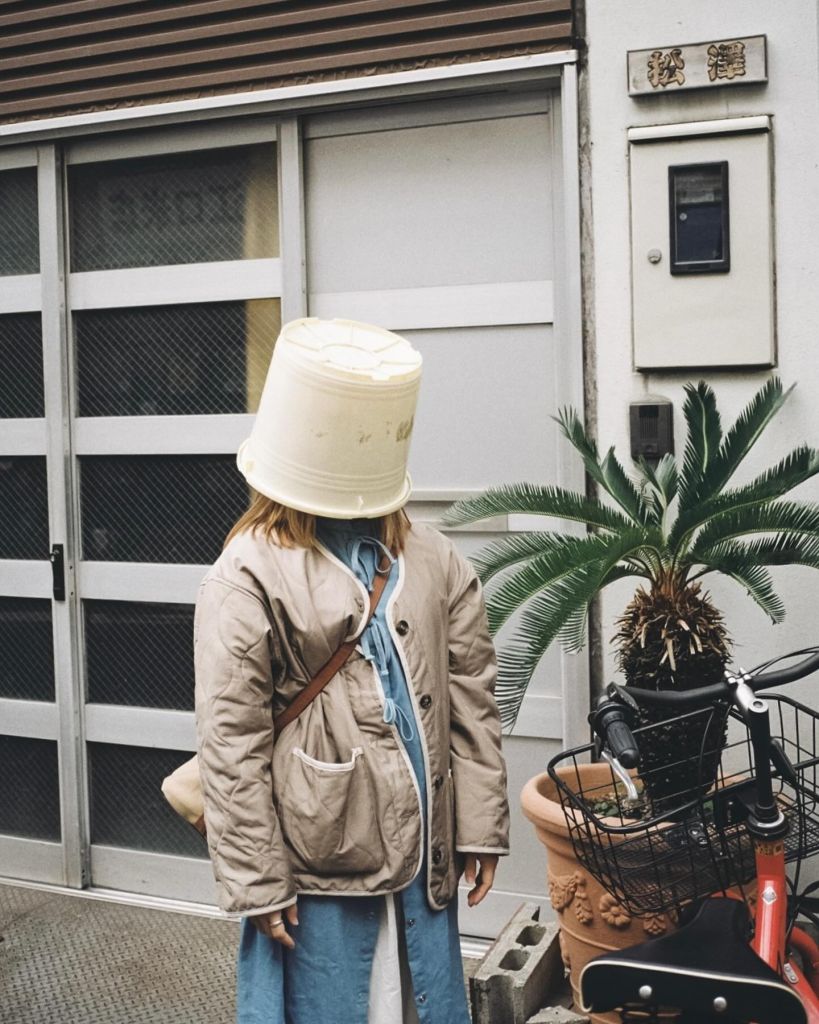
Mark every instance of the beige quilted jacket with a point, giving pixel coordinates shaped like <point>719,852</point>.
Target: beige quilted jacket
<point>334,807</point>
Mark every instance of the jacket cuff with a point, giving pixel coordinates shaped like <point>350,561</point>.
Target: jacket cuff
<point>501,851</point>
<point>273,906</point>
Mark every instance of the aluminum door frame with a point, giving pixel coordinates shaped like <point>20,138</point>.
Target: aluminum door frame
<point>63,438</point>
<point>159,874</point>
<point>41,860</point>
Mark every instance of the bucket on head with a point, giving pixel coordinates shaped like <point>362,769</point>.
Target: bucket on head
<point>333,429</point>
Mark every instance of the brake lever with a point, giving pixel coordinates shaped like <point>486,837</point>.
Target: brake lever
<point>616,692</point>
<point>622,775</point>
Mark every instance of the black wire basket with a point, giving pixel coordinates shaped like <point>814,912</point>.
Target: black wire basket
<point>697,844</point>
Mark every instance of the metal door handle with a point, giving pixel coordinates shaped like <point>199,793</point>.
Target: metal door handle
<point>57,572</point>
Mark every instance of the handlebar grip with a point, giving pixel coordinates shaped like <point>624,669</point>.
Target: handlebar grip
<point>611,723</point>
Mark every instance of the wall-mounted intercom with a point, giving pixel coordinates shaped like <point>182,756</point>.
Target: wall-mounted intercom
<point>651,428</point>
<point>702,244</point>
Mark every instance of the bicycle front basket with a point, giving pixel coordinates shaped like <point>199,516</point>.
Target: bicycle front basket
<point>698,844</point>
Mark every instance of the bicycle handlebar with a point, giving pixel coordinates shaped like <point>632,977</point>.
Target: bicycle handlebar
<point>611,719</point>
<point>705,695</point>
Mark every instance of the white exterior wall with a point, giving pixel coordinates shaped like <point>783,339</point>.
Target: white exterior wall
<point>792,98</point>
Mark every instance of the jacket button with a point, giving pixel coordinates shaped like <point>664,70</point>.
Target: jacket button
<point>437,855</point>
<point>425,701</point>
<point>402,628</point>
<point>438,781</point>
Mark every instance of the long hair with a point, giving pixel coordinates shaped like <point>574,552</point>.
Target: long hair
<point>291,528</point>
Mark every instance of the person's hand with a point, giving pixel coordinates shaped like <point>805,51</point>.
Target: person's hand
<point>272,925</point>
<point>482,879</point>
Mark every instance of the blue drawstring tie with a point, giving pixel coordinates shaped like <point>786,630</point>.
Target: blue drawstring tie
<point>377,647</point>
<point>376,644</point>
<point>355,555</point>
<point>395,713</point>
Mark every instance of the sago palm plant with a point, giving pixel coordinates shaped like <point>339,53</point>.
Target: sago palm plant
<point>668,526</point>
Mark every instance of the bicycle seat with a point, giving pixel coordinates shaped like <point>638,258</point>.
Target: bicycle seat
<point>706,967</point>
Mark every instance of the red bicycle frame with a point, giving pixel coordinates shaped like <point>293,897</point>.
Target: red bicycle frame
<point>770,933</point>
<point>789,952</point>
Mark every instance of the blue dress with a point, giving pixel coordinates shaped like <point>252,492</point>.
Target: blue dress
<point>326,978</point>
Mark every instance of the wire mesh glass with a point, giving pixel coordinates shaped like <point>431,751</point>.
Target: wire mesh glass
<point>19,228</point>
<point>139,654</point>
<point>175,360</point>
<point>30,788</point>
<point>159,508</point>
<point>27,643</point>
<point>127,806</point>
<point>172,208</point>
<point>23,507</point>
<point>699,844</point>
<point>21,356</point>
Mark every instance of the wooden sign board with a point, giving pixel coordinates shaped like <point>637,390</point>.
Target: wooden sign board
<point>709,65</point>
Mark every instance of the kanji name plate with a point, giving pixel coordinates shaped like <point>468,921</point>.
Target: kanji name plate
<point>708,65</point>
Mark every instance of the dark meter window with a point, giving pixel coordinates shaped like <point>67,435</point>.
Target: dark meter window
<point>698,201</point>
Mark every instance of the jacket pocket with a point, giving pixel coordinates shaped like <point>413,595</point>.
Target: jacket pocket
<point>328,766</point>
<point>327,814</point>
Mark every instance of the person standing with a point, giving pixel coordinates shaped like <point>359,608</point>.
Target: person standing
<point>340,841</point>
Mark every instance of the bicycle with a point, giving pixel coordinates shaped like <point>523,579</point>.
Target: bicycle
<point>753,808</point>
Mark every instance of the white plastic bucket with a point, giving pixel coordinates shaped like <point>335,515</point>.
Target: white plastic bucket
<point>335,420</point>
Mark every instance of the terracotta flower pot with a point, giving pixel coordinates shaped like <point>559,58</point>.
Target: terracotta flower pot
<point>591,920</point>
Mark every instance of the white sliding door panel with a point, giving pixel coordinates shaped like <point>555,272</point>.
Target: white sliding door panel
<point>446,231</point>
<point>483,412</point>
<point>465,203</point>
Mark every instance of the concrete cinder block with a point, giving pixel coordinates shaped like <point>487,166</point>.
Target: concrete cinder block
<point>558,1015</point>
<point>518,971</point>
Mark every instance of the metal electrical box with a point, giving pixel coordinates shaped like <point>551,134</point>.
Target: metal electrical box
<point>702,256</point>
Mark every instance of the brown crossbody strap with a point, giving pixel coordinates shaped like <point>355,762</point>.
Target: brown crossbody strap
<point>329,669</point>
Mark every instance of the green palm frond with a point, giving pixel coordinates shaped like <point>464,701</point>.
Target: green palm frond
<point>746,430</point>
<point>511,549</point>
<point>566,555</point>
<point>784,549</point>
<point>544,619</point>
<point>533,499</point>
<point>746,564</point>
<point>711,461</point>
<point>572,634</point>
<point>620,486</point>
<point>787,516</point>
<point>609,473</point>
<point>704,435</point>
<point>797,467</point>
<point>738,562</point>
<point>546,615</point>
<point>661,483</point>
